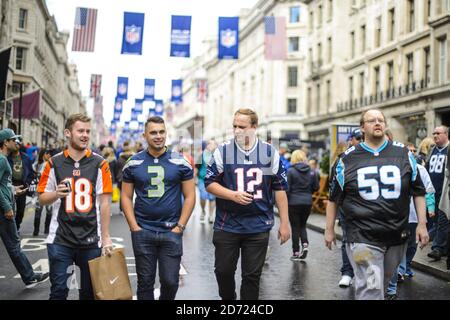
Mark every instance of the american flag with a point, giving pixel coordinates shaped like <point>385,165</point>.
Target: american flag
<point>275,41</point>
<point>96,85</point>
<point>84,30</point>
<point>202,90</point>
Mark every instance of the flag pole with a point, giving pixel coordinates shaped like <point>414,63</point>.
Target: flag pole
<point>20,108</point>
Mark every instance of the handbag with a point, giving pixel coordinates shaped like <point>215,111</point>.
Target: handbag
<point>109,277</point>
<point>115,194</point>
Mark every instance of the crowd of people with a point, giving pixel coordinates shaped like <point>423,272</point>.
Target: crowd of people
<point>387,197</point>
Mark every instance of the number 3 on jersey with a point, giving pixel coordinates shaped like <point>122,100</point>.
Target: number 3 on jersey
<point>252,184</point>
<point>157,182</point>
<point>80,197</point>
<point>369,189</point>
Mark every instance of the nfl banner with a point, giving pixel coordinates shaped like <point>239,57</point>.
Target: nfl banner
<point>133,31</point>
<point>151,113</point>
<point>139,105</point>
<point>159,108</point>
<point>180,37</point>
<point>117,116</point>
<point>140,127</point>
<point>118,105</point>
<point>134,115</point>
<point>177,95</point>
<point>96,85</point>
<point>126,127</point>
<point>149,90</point>
<point>113,126</point>
<point>228,37</point>
<point>122,88</point>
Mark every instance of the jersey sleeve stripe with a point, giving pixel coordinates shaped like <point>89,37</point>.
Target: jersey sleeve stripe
<point>218,160</point>
<point>106,178</point>
<point>44,178</point>
<point>413,163</point>
<point>340,177</point>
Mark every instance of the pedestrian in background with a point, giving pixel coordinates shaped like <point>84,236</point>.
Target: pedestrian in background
<point>43,157</point>
<point>302,183</point>
<point>205,195</point>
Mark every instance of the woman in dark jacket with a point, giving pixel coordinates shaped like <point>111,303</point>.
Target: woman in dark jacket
<point>303,182</point>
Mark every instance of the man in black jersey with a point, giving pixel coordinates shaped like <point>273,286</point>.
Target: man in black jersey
<point>373,182</point>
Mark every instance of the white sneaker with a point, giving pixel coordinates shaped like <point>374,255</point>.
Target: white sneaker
<point>345,281</point>
<point>202,217</point>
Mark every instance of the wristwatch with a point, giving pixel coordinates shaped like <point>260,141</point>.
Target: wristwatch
<point>181,226</point>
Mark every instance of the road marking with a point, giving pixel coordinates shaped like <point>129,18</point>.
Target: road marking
<point>2,277</point>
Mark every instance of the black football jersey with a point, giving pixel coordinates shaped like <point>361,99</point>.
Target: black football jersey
<point>373,188</point>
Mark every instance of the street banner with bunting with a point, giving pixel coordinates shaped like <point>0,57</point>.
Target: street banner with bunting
<point>149,89</point>
<point>126,127</point>
<point>180,36</point>
<point>202,90</point>
<point>275,38</point>
<point>141,127</point>
<point>139,105</point>
<point>228,37</point>
<point>133,32</point>
<point>134,115</point>
<point>122,88</point>
<point>117,116</point>
<point>159,108</point>
<point>30,105</point>
<point>84,30</point>
<point>96,85</point>
<point>177,93</point>
<point>118,105</point>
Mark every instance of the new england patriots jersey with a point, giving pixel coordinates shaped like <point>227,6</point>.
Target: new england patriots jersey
<point>373,188</point>
<point>436,168</point>
<point>258,171</point>
<point>157,184</point>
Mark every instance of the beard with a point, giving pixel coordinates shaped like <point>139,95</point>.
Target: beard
<point>77,147</point>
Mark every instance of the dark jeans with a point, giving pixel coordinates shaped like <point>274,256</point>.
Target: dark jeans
<point>61,260</point>
<point>346,269</point>
<point>164,248</point>
<point>412,246</point>
<point>298,215</point>
<point>440,238</point>
<point>8,233</point>
<point>37,218</point>
<point>21,202</point>
<point>253,249</point>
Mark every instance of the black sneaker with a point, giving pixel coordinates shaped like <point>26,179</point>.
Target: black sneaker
<point>38,278</point>
<point>400,278</point>
<point>435,255</point>
<point>35,233</point>
<point>390,297</point>
<point>304,252</point>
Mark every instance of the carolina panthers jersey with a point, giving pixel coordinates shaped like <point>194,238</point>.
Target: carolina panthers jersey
<point>436,168</point>
<point>157,184</point>
<point>374,187</point>
<point>258,171</point>
<point>76,218</point>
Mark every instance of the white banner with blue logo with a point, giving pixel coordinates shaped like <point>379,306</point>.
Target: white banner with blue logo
<point>159,108</point>
<point>177,94</point>
<point>180,36</point>
<point>118,106</point>
<point>228,38</point>
<point>139,105</point>
<point>133,31</point>
<point>149,90</point>
<point>122,88</point>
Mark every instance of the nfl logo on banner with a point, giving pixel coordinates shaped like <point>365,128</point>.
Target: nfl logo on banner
<point>228,38</point>
<point>132,34</point>
<point>118,105</point>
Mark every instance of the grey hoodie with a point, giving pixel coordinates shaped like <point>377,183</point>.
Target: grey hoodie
<point>302,182</point>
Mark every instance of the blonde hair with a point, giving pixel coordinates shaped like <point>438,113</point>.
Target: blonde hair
<point>108,154</point>
<point>298,156</point>
<point>340,148</point>
<point>249,112</point>
<point>425,145</point>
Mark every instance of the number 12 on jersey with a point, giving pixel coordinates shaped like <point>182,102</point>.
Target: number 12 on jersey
<point>255,173</point>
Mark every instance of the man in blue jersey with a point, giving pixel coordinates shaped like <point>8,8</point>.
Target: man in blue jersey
<point>372,182</point>
<point>160,178</point>
<point>243,174</point>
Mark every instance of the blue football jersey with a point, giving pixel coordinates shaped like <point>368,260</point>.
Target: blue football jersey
<point>258,171</point>
<point>157,184</point>
<point>436,168</point>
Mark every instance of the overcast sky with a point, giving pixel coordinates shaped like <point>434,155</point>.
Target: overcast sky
<point>155,61</point>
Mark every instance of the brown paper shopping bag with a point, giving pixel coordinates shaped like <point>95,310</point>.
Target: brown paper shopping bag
<point>109,277</point>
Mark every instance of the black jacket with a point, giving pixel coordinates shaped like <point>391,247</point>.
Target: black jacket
<point>302,182</point>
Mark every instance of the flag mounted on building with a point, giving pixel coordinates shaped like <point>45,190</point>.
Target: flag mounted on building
<point>4,64</point>
<point>275,38</point>
<point>84,30</point>
<point>202,90</point>
<point>159,108</point>
<point>133,32</point>
<point>30,106</point>
<point>228,37</point>
<point>180,36</point>
<point>96,85</point>
<point>139,105</point>
<point>122,88</point>
<point>118,105</point>
<point>177,93</point>
<point>149,89</point>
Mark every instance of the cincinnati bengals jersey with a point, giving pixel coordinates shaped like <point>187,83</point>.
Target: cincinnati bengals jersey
<point>76,218</point>
<point>373,188</point>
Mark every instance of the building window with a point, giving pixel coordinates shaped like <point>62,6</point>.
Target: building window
<point>293,44</point>
<point>377,80</point>
<point>308,101</point>
<point>319,53</point>
<point>328,94</point>
<point>410,64</point>
<point>352,43</point>
<point>21,54</point>
<point>361,84</point>
<point>390,76</point>
<point>427,65</point>
<point>330,50</point>
<point>330,9</point>
<point>311,20</point>
<point>294,14</point>
<point>311,60</point>
<point>363,38</point>
<point>292,105</point>
<point>411,15</point>
<point>319,18</point>
<point>292,76</point>
<point>318,99</point>
<point>23,15</point>
<point>378,32</point>
<point>350,91</point>
<point>442,60</point>
<point>392,24</point>
<point>428,9</point>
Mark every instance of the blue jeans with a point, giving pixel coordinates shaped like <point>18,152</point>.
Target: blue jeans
<point>346,269</point>
<point>10,237</point>
<point>150,248</point>
<point>440,238</point>
<point>61,260</point>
